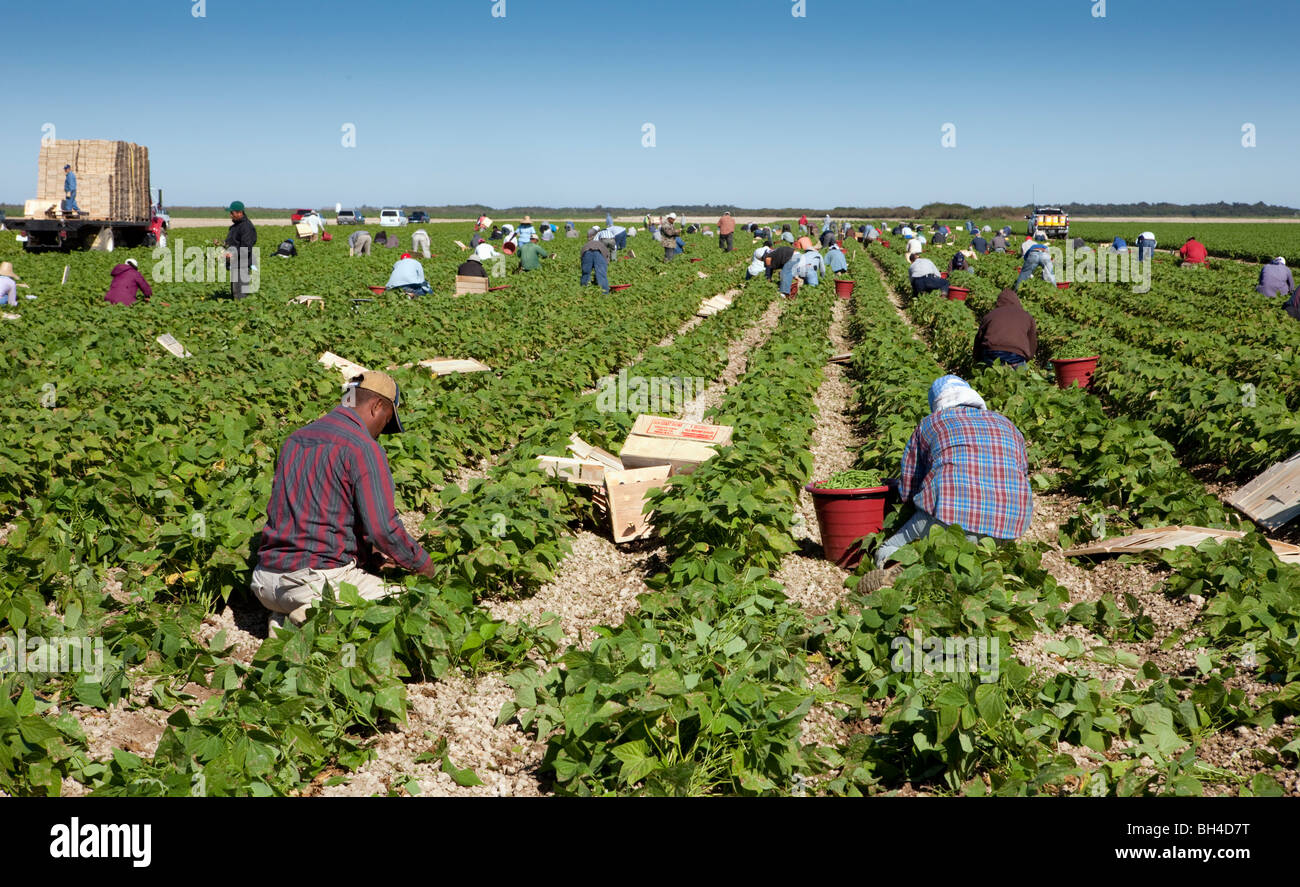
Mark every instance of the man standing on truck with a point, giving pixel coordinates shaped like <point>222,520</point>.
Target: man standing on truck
<point>240,240</point>
<point>332,507</point>
<point>70,189</point>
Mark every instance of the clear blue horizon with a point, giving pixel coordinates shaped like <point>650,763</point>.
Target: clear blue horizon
<point>751,106</point>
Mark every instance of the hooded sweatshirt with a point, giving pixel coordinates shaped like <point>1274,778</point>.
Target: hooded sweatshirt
<point>126,280</point>
<point>1008,327</point>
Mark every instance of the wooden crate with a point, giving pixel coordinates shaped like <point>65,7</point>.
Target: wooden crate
<point>468,284</point>
<point>625,494</point>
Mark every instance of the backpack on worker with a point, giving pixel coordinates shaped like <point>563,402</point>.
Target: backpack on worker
<point>286,250</point>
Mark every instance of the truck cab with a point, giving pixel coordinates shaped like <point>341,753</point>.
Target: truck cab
<point>1050,220</point>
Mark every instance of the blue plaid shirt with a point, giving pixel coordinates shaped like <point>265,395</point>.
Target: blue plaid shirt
<point>967,466</point>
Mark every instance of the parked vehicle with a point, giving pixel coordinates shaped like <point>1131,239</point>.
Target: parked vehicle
<point>350,217</point>
<point>299,213</point>
<point>391,218</point>
<point>418,216</point>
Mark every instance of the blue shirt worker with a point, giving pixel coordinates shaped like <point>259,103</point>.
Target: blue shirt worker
<point>70,189</point>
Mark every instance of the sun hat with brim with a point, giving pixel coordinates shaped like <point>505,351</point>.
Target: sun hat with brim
<point>385,386</point>
<point>236,207</point>
<point>7,270</point>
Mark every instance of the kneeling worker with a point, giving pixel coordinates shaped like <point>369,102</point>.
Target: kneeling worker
<point>331,501</point>
<point>965,466</point>
<point>1007,333</point>
<point>408,276</point>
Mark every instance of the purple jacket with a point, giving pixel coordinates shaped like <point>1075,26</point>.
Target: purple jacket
<point>126,280</point>
<point>1275,280</point>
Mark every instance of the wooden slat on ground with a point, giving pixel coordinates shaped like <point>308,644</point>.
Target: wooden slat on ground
<point>1173,537</point>
<point>1273,498</point>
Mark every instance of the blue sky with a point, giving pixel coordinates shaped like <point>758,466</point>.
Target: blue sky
<point>751,105</point>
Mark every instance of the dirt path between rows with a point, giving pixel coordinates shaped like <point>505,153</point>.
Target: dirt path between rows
<point>597,584</point>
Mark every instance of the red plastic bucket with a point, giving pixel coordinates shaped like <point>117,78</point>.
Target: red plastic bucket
<point>377,290</point>
<point>508,249</point>
<point>844,288</point>
<point>884,243</point>
<point>943,274</point>
<point>697,260</point>
<point>958,293</point>
<point>844,517</point>
<point>1074,371</point>
<point>1062,286</point>
<point>619,286</point>
<point>327,236</point>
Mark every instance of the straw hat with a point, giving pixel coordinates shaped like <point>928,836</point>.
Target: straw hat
<point>7,270</point>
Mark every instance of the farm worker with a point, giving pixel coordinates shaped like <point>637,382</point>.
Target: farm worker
<point>1036,256</point>
<point>8,284</point>
<point>316,222</point>
<point>913,247</point>
<point>1118,245</point>
<point>359,243</point>
<point>907,231</point>
<point>803,224</point>
<point>786,234</point>
<point>70,188</point>
<point>836,261</point>
<point>960,262</point>
<point>1007,333</point>
<point>127,280</point>
<point>420,242</point>
<point>332,504</point>
<point>964,466</point>
<point>804,243</point>
<point>526,230</point>
<point>1275,279</point>
<point>570,230</point>
<point>475,240</point>
<point>979,244</point>
<point>548,232</point>
<point>1006,229</point>
<point>827,238</point>
<point>940,237</point>
<point>668,231</point>
<point>1193,252</point>
<point>240,240</point>
<point>869,233</point>
<point>812,267</point>
<point>726,232</point>
<point>408,276</point>
<point>919,238</point>
<point>483,223</point>
<point>471,267</point>
<point>616,233</point>
<point>925,277</point>
<point>156,235</point>
<point>1146,244</point>
<point>286,249</point>
<point>971,227</point>
<point>509,239</point>
<point>999,244</point>
<point>531,255</point>
<point>595,260</point>
<point>755,267</point>
<point>484,253</point>
<point>496,234</point>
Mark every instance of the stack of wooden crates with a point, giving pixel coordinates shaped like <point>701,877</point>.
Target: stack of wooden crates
<point>112,177</point>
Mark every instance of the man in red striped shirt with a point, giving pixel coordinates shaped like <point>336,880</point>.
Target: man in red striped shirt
<point>331,504</point>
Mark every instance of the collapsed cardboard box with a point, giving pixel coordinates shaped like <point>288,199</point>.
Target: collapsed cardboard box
<point>1173,537</point>
<point>1273,498</point>
<point>343,365</point>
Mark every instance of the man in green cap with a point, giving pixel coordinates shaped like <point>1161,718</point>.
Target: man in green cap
<point>240,258</point>
<point>333,507</point>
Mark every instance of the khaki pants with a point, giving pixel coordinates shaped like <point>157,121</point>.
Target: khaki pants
<point>361,249</point>
<point>420,243</point>
<point>294,592</point>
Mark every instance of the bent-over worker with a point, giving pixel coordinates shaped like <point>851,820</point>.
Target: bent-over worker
<point>1007,333</point>
<point>963,466</point>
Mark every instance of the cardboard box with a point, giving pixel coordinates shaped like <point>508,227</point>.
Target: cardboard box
<point>661,426</point>
<point>625,493</point>
<point>347,367</point>
<point>443,366</point>
<point>679,456</point>
<point>587,452</point>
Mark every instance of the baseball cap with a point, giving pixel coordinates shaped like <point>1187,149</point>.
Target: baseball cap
<point>236,207</point>
<point>67,166</point>
<point>384,385</point>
